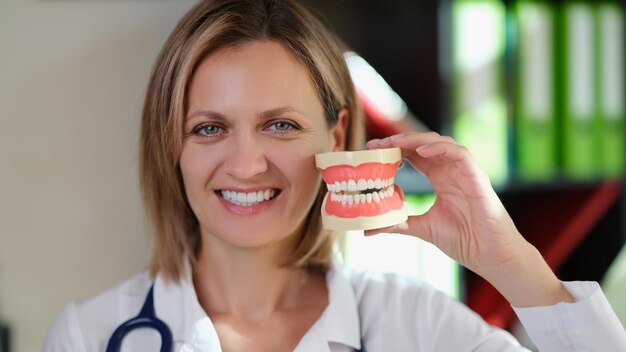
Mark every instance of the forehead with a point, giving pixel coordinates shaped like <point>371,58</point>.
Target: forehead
<point>252,77</point>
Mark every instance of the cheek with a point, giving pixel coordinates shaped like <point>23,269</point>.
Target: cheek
<point>298,166</point>
<point>195,167</point>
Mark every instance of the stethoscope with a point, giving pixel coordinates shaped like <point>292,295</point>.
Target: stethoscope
<point>146,319</point>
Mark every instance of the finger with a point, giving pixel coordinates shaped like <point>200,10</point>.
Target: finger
<point>409,140</point>
<point>373,143</point>
<point>428,156</point>
<point>416,225</point>
<point>446,150</point>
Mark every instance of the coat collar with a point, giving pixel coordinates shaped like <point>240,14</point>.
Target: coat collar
<point>176,303</point>
<point>342,319</point>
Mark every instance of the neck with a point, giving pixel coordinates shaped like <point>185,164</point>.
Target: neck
<point>248,283</point>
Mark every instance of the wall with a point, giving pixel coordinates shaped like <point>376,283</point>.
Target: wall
<point>72,79</point>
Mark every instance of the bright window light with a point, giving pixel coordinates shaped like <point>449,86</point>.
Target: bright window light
<point>405,255</point>
<point>375,88</point>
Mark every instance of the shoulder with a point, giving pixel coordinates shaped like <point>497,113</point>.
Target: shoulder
<point>396,296</point>
<point>410,313</point>
<point>394,290</point>
<point>87,325</point>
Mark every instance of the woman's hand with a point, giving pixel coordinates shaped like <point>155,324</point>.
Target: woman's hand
<point>469,223</point>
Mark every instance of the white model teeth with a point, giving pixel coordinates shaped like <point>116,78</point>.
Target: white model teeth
<point>359,185</point>
<point>349,199</point>
<point>248,198</point>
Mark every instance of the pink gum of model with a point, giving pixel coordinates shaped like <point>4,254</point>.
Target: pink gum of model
<point>361,193</point>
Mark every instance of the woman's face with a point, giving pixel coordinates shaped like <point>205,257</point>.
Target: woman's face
<point>253,125</point>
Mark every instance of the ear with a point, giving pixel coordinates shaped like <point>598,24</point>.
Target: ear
<point>339,132</point>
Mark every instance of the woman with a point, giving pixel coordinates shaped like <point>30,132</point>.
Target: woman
<point>242,96</point>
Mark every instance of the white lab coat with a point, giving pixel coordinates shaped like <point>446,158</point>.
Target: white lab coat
<point>385,312</point>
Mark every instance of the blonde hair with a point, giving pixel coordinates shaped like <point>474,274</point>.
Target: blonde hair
<point>209,26</point>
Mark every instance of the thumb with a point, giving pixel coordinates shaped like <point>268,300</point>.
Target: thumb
<point>416,225</point>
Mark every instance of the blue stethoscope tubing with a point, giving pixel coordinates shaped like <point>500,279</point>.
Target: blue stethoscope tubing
<point>146,319</point>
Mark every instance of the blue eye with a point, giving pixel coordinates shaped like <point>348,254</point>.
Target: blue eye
<point>283,126</point>
<point>207,130</point>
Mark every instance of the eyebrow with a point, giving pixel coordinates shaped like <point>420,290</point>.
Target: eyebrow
<point>206,113</point>
<point>265,115</point>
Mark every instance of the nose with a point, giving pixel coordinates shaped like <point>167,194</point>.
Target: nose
<point>247,158</point>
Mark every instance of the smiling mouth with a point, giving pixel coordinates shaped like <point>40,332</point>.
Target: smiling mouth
<point>248,199</point>
<point>361,190</point>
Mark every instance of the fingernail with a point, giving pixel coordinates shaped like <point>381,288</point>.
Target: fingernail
<point>422,148</point>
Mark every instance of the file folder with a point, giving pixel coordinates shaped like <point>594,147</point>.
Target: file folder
<point>534,97</point>
<point>479,109</point>
<point>610,86</point>
<point>580,124</point>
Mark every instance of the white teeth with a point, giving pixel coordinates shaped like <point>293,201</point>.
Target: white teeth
<point>384,187</point>
<point>248,198</point>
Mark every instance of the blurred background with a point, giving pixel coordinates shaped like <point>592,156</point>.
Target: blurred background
<point>535,89</point>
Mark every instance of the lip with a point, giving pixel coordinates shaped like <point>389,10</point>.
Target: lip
<point>247,210</point>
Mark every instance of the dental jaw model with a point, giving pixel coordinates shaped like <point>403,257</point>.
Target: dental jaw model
<point>361,193</point>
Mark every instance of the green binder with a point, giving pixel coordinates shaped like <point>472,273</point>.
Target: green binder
<point>580,124</point>
<point>534,111</point>
<point>479,108</point>
<point>610,86</point>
